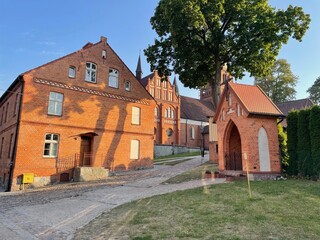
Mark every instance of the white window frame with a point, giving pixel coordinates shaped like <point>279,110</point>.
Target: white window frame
<point>134,149</point>
<point>51,145</point>
<point>113,78</point>
<point>136,116</point>
<point>91,72</point>
<point>55,101</point>
<point>152,92</point>
<point>72,71</point>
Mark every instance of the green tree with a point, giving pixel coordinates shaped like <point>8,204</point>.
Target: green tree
<point>280,83</point>
<point>314,91</point>
<point>292,135</point>
<point>198,37</point>
<point>282,136</point>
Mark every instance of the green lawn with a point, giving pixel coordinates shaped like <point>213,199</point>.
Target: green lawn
<point>278,210</point>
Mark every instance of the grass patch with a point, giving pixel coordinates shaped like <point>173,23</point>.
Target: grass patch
<point>190,154</point>
<point>193,174</point>
<point>278,210</point>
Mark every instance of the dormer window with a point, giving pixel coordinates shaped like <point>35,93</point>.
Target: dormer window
<point>72,72</point>
<point>113,78</point>
<point>91,72</point>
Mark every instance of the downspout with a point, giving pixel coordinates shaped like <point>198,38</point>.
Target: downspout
<point>186,132</point>
<point>14,154</point>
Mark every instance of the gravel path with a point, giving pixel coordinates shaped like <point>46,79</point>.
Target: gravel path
<point>56,212</point>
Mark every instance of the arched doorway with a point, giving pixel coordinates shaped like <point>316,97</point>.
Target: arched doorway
<point>264,155</point>
<point>233,154</point>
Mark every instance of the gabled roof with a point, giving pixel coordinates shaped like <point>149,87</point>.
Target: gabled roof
<point>195,109</point>
<point>144,81</point>
<point>254,100</point>
<point>299,104</point>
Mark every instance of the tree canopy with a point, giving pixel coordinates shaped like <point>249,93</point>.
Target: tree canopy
<point>280,84</point>
<point>198,37</point>
<point>314,91</point>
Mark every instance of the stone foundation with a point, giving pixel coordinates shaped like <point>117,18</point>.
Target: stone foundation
<point>83,174</point>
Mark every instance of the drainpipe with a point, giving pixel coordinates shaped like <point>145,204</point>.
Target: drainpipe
<point>186,132</point>
<point>14,153</point>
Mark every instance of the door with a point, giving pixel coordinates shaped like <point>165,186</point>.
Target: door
<point>85,151</point>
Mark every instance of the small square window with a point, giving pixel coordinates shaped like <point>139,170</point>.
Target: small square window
<point>72,72</point>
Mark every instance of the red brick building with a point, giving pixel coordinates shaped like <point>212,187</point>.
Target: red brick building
<point>84,109</point>
<point>247,130</point>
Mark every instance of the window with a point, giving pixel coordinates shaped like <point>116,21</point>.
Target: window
<point>128,86</point>
<point>164,94</point>
<point>10,146</point>
<point>172,113</point>
<point>55,103</point>
<point>91,70</point>
<point>192,132</point>
<point>113,78</point>
<point>1,147</point>
<point>166,113</point>
<point>158,82</point>
<point>2,116</point>
<point>156,112</point>
<point>134,149</point>
<point>6,113</point>
<point>16,105</point>
<point>135,116</point>
<point>51,145</point>
<point>159,93</point>
<point>72,71</point>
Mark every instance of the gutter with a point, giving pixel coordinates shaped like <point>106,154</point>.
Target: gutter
<point>14,153</point>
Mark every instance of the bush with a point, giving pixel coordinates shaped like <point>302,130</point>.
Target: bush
<point>282,136</point>
<point>314,127</point>
<point>292,135</point>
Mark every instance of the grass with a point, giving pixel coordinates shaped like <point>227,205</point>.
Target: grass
<point>278,210</point>
<point>193,174</point>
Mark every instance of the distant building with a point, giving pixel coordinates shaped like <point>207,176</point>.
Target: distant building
<point>84,109</point>
<point>299,104</point>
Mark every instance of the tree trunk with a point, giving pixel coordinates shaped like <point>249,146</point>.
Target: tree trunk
<point>215,86</point>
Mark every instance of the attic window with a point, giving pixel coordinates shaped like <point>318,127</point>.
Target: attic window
<point>128,86</point>
<point>113,78</point>
<point>91,70</point>
<point>72,72</point>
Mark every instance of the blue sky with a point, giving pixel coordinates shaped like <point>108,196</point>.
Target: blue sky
<point>36,32</point>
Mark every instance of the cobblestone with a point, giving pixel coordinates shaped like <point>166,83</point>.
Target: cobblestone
<point>55,212</point>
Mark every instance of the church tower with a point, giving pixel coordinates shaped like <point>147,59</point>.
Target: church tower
<point>139,70</point>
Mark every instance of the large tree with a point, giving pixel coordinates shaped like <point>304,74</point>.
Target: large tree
<point>198,37</point>
<point>280,84</point>
<point>314,91</point>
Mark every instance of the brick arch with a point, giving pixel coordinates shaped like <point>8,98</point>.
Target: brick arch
<point>232,147</point>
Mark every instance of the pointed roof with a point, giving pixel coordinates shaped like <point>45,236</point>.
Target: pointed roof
<point>139,69</point>
<point>254,100</point>
<point>176,85</point>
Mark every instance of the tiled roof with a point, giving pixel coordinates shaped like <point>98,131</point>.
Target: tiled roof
<point>299,104</point>
<point>144,81</point>
<point>195,109</point>
<point>255,100</point>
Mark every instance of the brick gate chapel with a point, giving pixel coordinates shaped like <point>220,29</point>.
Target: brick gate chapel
<point>246,121</point>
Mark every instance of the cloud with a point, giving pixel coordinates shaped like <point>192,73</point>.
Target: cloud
<point>47,43</point>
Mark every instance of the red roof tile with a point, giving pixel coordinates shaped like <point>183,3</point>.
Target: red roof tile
<point>195,109</point>
<point>255,100</point>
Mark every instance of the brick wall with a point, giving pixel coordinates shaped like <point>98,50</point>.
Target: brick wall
<point>248,127</point>
<point>87,107</point>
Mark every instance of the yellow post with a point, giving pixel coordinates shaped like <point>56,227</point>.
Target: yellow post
<point>248,177</point>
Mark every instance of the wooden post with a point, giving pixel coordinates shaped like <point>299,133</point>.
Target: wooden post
<point>248,177</point>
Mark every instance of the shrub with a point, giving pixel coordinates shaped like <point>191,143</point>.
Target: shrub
<point>314,127</point>
<point>292,122</point>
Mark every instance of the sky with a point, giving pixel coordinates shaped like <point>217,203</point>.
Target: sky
<point>35,32</point>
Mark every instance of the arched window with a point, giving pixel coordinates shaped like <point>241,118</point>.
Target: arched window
<point>128,86</point>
